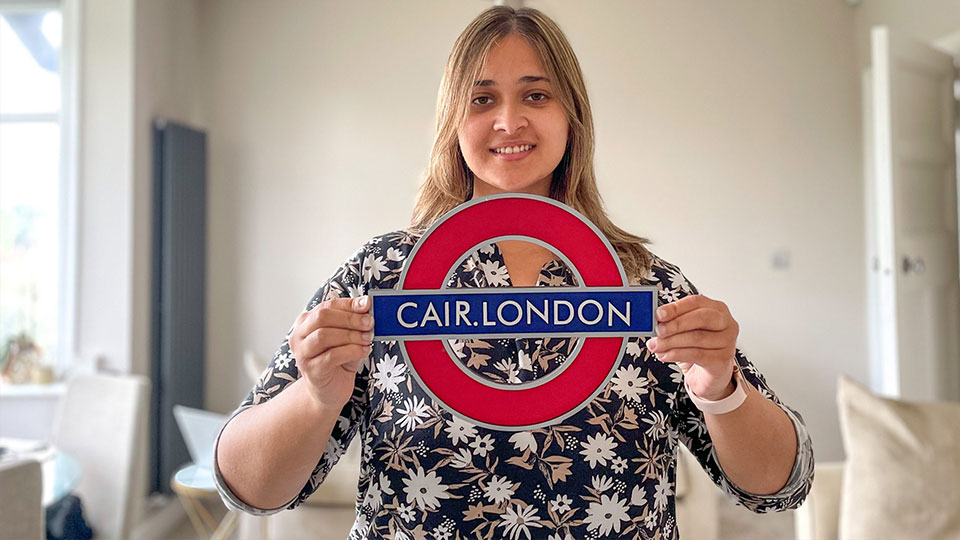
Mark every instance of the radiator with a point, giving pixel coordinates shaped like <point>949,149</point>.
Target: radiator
<point>179,270</point>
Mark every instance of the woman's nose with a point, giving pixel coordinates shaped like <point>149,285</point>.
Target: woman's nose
<point>510,118</point>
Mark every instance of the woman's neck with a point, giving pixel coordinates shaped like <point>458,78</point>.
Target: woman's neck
<point>524,260</point>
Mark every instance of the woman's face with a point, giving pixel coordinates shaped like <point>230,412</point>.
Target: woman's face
<point>513,105</point>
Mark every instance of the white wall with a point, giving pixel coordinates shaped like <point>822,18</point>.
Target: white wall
<point>725,131</point>
<point>105,236</point>
<point>167,86</point>
<point>321,119</point>
<point>138,62</point>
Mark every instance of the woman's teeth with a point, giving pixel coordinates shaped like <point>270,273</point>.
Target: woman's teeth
<point>513,149</point>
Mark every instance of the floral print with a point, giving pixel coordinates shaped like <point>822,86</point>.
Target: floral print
<point>607,471</point>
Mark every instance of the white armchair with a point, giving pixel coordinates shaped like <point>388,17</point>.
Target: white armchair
<point>102,423</point>
<point>818,518</point>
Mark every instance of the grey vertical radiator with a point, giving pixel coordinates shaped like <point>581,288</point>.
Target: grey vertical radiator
<point>179,270</point>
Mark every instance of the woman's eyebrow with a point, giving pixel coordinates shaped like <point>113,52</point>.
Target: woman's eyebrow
<point>522,80</point>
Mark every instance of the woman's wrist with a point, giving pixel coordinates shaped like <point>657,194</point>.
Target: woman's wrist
<point>729,399</point>
<point>726,392</point>
<point>318,408</point>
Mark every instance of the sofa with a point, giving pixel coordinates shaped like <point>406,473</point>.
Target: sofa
<point>900,477</point>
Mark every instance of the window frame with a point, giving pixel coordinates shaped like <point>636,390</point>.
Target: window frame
<point>68,119</point>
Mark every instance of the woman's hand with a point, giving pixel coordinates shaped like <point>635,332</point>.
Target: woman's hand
<point>700,335</point>
<point>329,344</point>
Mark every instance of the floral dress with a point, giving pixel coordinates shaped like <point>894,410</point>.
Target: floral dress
<point>608,471</point>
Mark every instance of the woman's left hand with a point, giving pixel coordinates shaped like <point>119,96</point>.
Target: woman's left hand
<point>700,335</point>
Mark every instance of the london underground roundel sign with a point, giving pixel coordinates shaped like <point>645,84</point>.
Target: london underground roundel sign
<point>603,310</point>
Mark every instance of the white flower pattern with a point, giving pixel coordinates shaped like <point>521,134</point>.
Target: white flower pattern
<point>604,471</point>
<point>389,374</point>
<point>424,489</point>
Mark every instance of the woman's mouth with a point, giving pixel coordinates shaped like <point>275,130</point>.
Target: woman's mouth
<point>513,153</point>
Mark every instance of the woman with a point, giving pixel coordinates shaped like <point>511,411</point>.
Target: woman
<point>513,116</point>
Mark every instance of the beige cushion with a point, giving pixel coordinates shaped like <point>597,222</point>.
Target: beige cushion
<point>902,475</point>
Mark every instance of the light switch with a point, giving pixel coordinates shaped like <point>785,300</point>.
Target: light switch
<point>781,259</point>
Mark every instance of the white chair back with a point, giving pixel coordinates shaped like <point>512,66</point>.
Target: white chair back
<point>21,512</point>
<point>102,422</point>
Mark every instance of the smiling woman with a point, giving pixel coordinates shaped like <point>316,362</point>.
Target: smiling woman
<point>529,126</point>
<point>513,81</point>
<point>512,117</point>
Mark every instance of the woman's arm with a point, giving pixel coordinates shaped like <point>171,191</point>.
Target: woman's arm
<point>756,443</point>
<point>267,452</point>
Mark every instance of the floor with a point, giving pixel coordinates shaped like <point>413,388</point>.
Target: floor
<point>736,523</point>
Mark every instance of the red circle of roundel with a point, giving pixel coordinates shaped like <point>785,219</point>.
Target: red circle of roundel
<point>443,247</point>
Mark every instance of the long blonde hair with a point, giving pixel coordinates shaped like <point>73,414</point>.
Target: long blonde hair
<point>448,181</point>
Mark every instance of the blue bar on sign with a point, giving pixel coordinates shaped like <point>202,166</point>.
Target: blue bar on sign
<point>566,311</point>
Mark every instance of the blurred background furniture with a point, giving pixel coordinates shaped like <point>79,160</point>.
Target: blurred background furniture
<point>101,422</point>
<point>21,512</point>
<point>901,476</point>
<point>696,499</point>
<point>818,518</point>
<point>193,483</point>
<point>60,472</point>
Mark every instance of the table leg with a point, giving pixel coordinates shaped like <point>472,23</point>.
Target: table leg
<point>226,527</point>
<point>188,504</point>
<point>205,514</point>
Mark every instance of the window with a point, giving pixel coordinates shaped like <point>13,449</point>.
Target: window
<point>37,179</point>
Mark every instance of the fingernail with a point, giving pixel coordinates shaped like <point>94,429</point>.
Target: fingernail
<point>362,301</point>
<point>661,314</point>
<point>652,344</point>
<point>366,336</point>
<point>367,320</point>
<point>661,328</point>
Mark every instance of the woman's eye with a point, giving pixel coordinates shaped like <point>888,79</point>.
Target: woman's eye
<point>543,96</point>
<point>480,97</point>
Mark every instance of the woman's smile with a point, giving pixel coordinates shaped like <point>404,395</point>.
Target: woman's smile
<point>513,153</point>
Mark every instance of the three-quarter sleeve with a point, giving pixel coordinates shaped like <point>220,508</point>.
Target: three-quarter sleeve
<point>690,423</point>
<point>346,281</point>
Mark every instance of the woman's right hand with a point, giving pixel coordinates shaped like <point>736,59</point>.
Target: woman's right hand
<point>329,344</point>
